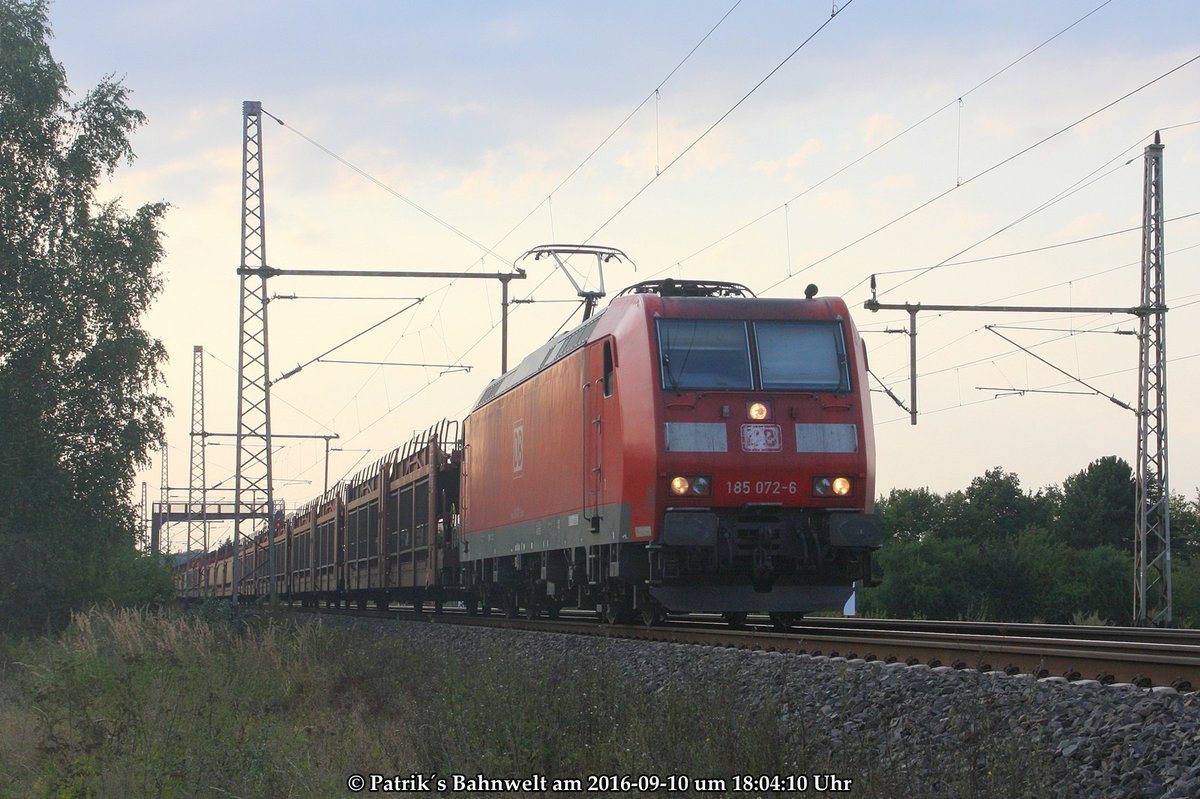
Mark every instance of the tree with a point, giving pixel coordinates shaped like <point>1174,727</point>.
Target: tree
<point>992,508</point>
<point>1185,526</point>
<point>77,371</point>
<point>932,578</point>
<point>910,514</point>
<point>1099,505</point>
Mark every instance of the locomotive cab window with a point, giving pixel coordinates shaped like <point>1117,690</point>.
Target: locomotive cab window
<point>802,356</point>
<point>704,354</point>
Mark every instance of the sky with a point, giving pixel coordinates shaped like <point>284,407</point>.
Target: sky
<point>772,143</point>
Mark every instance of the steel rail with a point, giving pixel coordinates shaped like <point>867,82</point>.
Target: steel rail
<point>1139,662</point>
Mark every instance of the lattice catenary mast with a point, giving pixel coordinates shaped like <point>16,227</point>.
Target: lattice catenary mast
<point>252,485</point>
<point>1152,532</point>
<point>1152,554</point>
<point>197,501</point>
<point>164,497</point>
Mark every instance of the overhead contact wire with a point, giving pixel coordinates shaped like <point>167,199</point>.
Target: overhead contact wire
<point>899,135</point>
<point>722,118</point>
<point>989,170</point>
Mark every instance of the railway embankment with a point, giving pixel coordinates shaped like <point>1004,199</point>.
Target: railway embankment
<point>169,704</point>
<point>892,729</point>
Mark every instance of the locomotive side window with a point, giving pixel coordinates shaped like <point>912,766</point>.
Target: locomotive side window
<point>802,356</point>
<point>608,369</point>
<point>704,354</point>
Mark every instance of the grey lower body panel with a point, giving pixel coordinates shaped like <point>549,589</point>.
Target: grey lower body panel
<point>544,535</point>
<point>744,599</point>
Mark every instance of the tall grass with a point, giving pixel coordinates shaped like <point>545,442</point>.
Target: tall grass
<point>158,704</point>
<point>133,703</point>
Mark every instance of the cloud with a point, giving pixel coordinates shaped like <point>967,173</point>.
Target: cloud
<point>894,182</point>
<point>878,128</point>
<point>796,159</point>
<point>806,151</point>
<point>1085,225</point>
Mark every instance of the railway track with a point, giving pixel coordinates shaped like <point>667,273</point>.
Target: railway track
<point>1142,657</point>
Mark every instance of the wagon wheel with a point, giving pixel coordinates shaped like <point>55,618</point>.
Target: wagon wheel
<point>736,620</point>
<point>618,611</point>
<point>784,622</point>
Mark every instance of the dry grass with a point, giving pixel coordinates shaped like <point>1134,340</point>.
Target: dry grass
<point>130,703</point>
<point>135,703</point>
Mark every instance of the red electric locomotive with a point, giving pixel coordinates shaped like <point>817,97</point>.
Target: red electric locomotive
<point>690,448</point>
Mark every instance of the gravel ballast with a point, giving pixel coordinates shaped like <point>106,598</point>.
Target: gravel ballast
<point>907,725</point>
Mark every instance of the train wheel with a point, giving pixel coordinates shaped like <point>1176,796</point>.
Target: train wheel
<point>361,603</point>
<point>784,622</point>
<point>735,620</point>
<point>552,609</point>
<point>652,614</point>
<point>532,609</point>
<point>510,605</point>
<point>617,611</point>
<point>472,606</point>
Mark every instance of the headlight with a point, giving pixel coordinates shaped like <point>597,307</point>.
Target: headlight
<point>832,486</point>
<point>691,486</point>
<point>758,411</point>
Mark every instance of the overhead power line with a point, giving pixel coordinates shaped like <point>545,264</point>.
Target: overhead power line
<point>658,174</point>
<point>1044,248</point>
<point>407,201</point>
<point>888,142</point>
<point>978,175</point>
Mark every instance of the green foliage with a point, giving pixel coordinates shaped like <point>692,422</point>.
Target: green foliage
<point>1099,503</point>
<point>934,578</point>
<point>77,371</point>
<point>133,579</point>
<point>993,508</point>
<point>1185,526</point>
<point>1185,590</point>
<point>910,514</point>
<point>993,552</point>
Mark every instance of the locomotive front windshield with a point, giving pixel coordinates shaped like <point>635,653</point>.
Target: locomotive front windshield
<point>802,356</point>
<point>704,353</point>
<point>716,355</point>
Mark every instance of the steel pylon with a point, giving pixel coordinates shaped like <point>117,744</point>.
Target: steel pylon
<point>156,545</point>
<point>252,484</point>
<point>1152,545</point>
<point>197,510</point>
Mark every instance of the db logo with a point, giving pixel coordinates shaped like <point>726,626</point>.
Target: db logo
<point>518,444</point>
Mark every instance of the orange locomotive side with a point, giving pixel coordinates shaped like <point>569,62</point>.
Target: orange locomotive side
<point>686,449</point>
